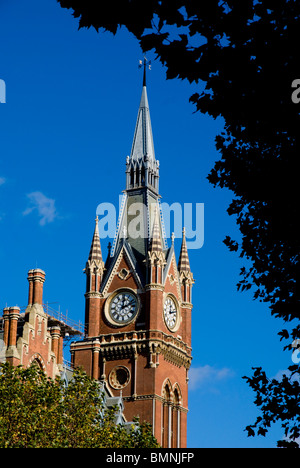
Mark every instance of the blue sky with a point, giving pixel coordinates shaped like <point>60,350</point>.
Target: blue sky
<point>66,129</point>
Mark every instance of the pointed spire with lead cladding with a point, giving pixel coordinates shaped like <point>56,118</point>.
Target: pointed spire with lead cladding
<point>143,140</point>
<point>141,194</point>
<point>142,167</point>
<point>184,263</point>
<point>142,144</point>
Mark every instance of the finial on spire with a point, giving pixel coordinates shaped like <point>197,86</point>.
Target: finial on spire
<point>146,63</point>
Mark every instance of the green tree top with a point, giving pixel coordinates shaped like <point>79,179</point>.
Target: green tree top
<point>38,412</point>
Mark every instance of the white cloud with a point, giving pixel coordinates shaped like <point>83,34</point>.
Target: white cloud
<point>43,205</point>
<point>205,376</point>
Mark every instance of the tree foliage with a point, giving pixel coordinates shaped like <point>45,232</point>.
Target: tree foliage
<point>244,55</point>
<point>38,412</point>
<point>278,401</point>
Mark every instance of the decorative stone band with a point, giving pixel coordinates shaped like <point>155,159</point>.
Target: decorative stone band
<point>154,397</point>
<point>93,294</point>
<point>158,286</point>
<point>125,345</point>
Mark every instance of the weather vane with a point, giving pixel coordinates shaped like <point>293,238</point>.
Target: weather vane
<point>147,64</point>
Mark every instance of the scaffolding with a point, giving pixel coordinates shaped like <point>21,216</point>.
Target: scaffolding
<point>55,317</point>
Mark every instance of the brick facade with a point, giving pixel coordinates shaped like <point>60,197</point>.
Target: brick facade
<point>33,335</point>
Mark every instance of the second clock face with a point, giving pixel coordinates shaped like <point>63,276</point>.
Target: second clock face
<point>123,307</point>
<point>170,313</point>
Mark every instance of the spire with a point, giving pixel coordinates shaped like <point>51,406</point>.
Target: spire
<point>141,167</point>
<point>142,187</point>
<point>155,242</point>
<point>95,252</point>
<point>184,263</point>
<point>142,144</point>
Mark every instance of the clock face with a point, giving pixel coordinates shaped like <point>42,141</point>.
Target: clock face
<point>170,313</point>
<point>123,307</point>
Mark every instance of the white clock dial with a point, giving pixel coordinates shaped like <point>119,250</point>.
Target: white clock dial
<point>170,313</point>
<point>123,307</point>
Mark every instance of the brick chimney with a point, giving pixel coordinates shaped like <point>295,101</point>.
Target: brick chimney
<point>6,325</point>
<point>30,293</point>
<point>14,313</point>
<point>56,343</point>
<point>36,280</point>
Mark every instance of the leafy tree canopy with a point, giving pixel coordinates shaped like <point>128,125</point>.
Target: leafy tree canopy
<point>38,412</point>
<point>278,401</point>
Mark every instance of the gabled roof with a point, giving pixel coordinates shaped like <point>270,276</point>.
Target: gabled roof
<point>169,255</point>
<point>171,258</point>
<point>124,248</point>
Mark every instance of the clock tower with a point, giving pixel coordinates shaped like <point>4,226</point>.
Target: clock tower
<point>138,303</point>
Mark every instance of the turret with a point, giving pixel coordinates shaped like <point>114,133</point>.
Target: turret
<point>94,272</point>
<point>185,274</point>
<point>155,258</point>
